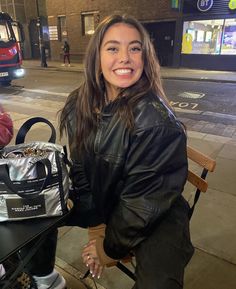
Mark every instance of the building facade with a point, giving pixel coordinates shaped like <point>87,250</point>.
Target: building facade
<point>209,34</point>
<point>75,21</point>
<point>187,33</point>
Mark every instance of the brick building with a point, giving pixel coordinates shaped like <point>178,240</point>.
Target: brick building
<point>188,33</point>
<point>199,34</point>
<point>75,21</point>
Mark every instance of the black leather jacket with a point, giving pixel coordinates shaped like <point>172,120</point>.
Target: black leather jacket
<point>131,178</point>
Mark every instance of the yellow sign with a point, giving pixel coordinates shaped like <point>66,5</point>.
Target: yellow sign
<point>187,43</point>
<point>232,4</point>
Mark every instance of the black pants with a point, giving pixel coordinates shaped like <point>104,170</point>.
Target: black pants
<point>163,256</point>
<point>66,57</point>
<point>43,261</point>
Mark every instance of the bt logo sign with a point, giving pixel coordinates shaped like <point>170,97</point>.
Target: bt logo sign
<point>204,5</point>
<point>232,4</point>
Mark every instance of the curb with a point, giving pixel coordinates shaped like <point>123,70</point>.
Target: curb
<point>204,79</point>
<point>76,69</point>
<point>72,69</point>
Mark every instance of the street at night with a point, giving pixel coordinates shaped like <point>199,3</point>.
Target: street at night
<point>199,104</point>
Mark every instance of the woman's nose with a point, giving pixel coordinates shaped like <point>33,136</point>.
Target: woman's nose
<point>124,56</point>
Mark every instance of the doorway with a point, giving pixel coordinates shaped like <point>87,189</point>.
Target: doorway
<point>163,35</point>
<point>34,39</point>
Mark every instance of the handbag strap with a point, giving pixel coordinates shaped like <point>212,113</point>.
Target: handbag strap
<point>20,137</point>
<point>4,176</point>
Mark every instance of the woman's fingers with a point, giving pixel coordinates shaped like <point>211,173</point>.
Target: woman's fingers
<point>100,270</point>
<point>91,260</point>
<point>96,270</point>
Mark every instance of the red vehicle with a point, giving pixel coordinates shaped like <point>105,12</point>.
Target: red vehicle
<point>11,34</point>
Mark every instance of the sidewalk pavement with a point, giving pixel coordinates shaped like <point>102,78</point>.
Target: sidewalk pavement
<point>166,72</point>
<point>213,265</point>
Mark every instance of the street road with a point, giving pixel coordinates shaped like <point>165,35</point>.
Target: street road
<point>44,92</point>
<point>209,101</point>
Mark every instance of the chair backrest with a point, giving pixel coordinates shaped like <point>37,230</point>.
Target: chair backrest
<point>207,164</point>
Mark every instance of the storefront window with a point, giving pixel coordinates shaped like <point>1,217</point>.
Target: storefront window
<point>229,38</point>
<point>217,36</point>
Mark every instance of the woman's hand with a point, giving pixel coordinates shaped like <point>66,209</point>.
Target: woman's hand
<point>91,260</point>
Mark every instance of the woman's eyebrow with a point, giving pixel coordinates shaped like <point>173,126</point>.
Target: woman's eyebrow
<point>111,42</point>
<point>117,42</point>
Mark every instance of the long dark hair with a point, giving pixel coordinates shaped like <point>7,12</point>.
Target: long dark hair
<point>83,105</point>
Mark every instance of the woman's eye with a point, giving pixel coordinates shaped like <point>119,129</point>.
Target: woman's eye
<point>136,49</point>
<point>112,49</point>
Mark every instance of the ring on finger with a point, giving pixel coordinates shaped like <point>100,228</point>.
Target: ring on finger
<point>88,256</point>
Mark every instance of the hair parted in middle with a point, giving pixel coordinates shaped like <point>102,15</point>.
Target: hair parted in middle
<point>89,99</point>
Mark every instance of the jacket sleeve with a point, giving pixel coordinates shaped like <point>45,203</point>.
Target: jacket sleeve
<point>84,213</point>
<point>155,174</point>
<point>6,129</point>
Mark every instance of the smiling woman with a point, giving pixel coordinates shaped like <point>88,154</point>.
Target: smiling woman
<point>129,160</point>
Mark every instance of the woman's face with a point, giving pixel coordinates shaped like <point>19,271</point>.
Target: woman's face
<point>121,58</point>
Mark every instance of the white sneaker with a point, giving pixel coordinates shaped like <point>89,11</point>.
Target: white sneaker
<point>69,65</point>
<point>63,65</point>
<point>52,281</point>
<point>2,271</point>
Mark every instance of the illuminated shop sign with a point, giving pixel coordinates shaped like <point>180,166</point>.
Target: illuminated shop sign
<point>175,4</point>
<point>204,5</point>
<point>232,4</point>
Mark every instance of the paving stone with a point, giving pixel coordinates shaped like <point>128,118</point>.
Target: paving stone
<point>208,272</point>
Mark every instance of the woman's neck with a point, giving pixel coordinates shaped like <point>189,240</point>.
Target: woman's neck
<point>111,93</point>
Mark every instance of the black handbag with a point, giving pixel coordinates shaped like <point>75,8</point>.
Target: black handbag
<point>34,178</point>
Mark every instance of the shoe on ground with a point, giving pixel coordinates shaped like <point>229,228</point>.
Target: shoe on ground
<point>52,281</point>
<point>24,281</point>
<point>63,64</point>
<point>69,65</point>
<point>2,271</point>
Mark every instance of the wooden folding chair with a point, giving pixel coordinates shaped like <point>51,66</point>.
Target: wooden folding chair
<point>206,164</point>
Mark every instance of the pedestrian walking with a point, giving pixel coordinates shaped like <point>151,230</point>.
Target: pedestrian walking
<point>66,53</point>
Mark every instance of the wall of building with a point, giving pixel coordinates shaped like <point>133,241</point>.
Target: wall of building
<point>146,11</point>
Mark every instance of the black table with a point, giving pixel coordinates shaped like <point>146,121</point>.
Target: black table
<point>15,235</point>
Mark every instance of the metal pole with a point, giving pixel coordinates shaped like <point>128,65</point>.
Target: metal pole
<point>41,44</point>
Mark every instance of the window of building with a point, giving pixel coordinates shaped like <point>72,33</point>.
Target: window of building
<point>229,37</point>
<point>216,36</point>
<point>89,22</point>
<point>62,30</point>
